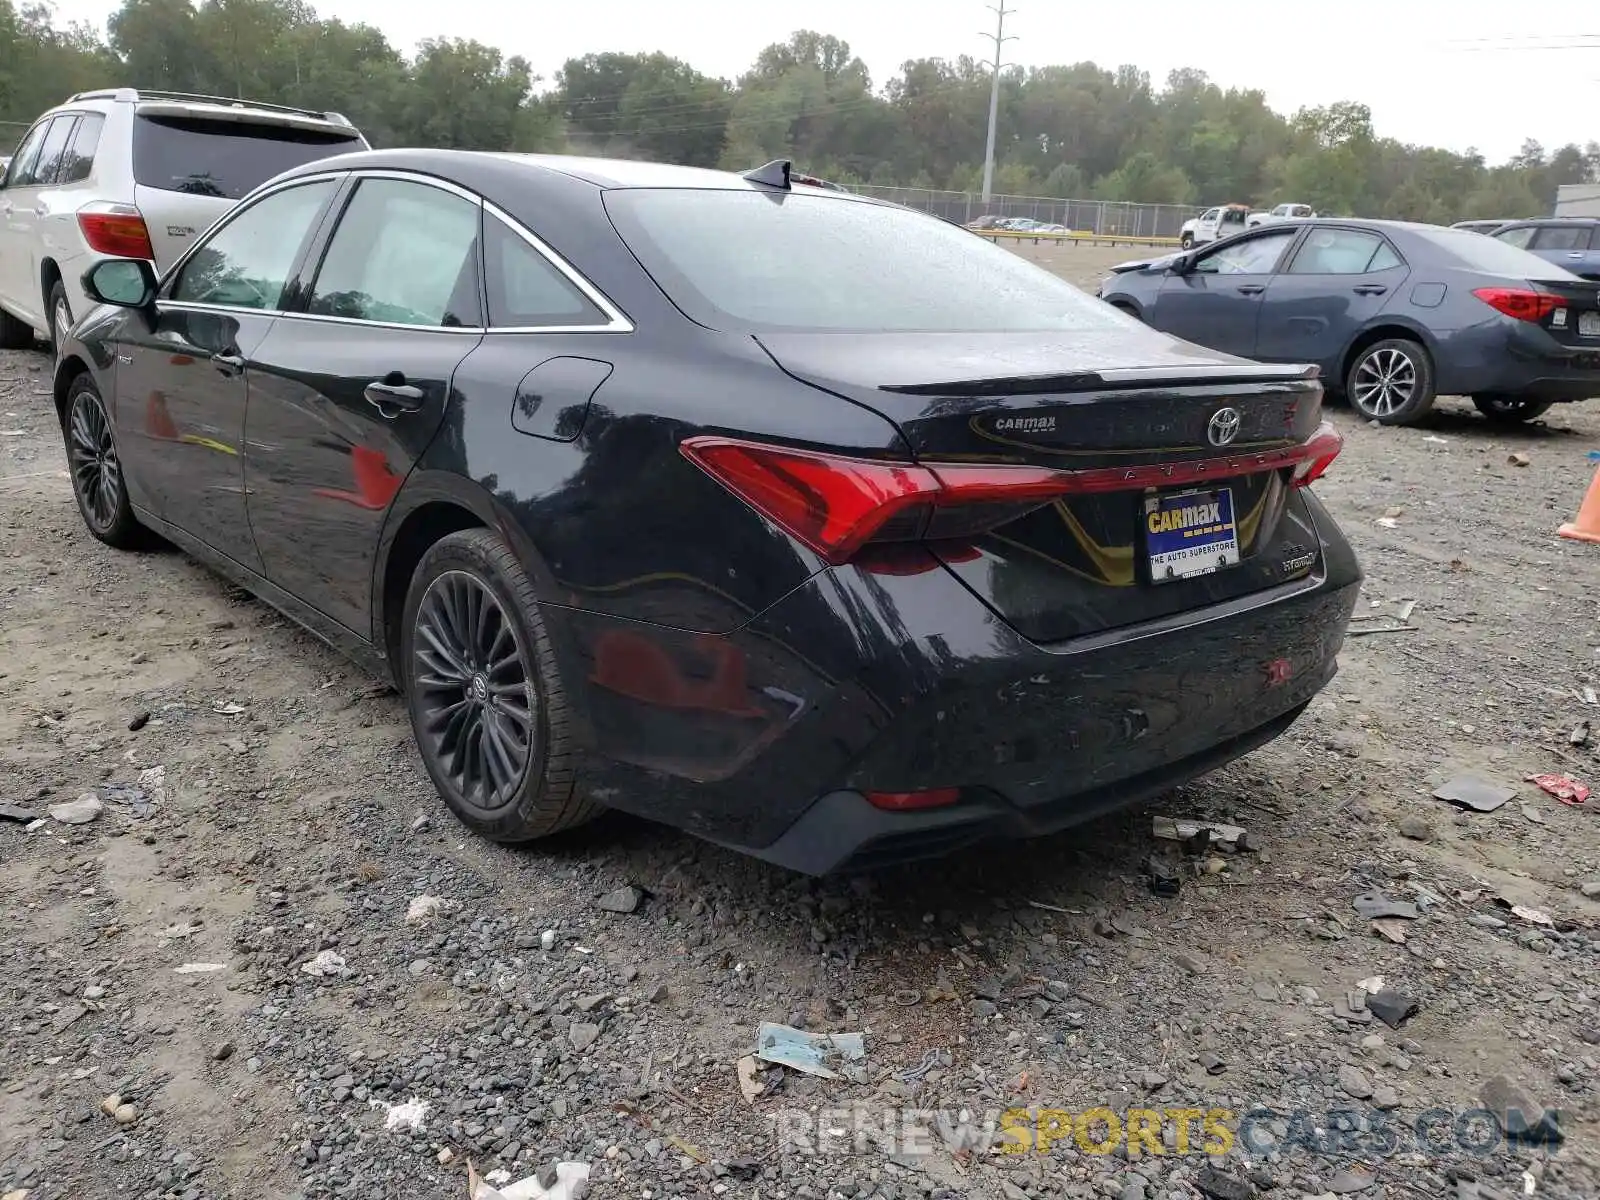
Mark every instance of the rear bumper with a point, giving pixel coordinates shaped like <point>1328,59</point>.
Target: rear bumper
<point>764,739</point>
<point>1525,362</point>
<point>843,833</point>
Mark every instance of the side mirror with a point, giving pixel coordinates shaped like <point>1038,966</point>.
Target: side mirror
<point>1181,265</point>
<point>125,282</point>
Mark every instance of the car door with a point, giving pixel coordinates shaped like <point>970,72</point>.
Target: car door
<point>1206,229</point>
<point>19,281</point>
<point>1565,244</point>
<point>1335,282</point>
<point>1217,301</point>
<point>183,375</point>
<point>354,385</point>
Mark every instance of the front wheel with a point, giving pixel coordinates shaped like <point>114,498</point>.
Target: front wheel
<point>97,481</point>
<point>484,693</point>
<point>1186,242</point>
<point>1510,410</point>
<point>1391,382</point>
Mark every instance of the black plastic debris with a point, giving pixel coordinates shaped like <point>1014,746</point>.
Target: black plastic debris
<point>1221,1186</point>
<point>1164,877</point>
<point>1392,1008</point>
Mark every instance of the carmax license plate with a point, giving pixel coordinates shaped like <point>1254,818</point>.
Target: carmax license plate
<point>1189,534</point>
<point>1589,324</point>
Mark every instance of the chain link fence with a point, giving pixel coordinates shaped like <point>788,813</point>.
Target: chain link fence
<point>1104,218</point>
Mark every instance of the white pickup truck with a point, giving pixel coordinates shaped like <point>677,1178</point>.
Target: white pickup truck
<point>1213,225</point>
<point>1284,212</point>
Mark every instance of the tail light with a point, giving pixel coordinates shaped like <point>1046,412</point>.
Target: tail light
<point>116,230</point>
<point>836,504</point>
<point>1523,304</point>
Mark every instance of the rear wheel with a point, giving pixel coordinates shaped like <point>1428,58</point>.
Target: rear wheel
<point>486,700</point>
<point>1391,382</point>
<point>60,316</point>
<point>1510,410</point>
<point>97,482</point>
<point>14,334</point>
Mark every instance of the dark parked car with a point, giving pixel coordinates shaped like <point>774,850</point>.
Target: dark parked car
<point>808,523</point>
<point>1569,242</point>
<point>1483,226</point>
<point>1393,314</point>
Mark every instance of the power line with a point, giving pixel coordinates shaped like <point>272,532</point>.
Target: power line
<point>1000,39</point>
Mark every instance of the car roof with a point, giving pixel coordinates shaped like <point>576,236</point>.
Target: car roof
<point>607,173</point>
<point>1574,220</point>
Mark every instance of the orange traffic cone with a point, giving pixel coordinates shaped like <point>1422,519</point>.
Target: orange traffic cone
<point>1585,527</point>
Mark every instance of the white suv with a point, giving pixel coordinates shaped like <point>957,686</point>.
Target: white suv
<point>129,174</point>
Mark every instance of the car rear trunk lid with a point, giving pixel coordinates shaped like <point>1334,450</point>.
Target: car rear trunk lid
<point>1180,450</point>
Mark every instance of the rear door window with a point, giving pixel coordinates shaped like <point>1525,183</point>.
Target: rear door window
<point>1342,252</point>
<point>1561,237</point>
<point>206,157</point>
<point>403,254</point>
<point>52,148</point>
<point>79,158</point>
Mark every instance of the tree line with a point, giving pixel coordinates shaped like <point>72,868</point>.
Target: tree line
<point>1077,131</point>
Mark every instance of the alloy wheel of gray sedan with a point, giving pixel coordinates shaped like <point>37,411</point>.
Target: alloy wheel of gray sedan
<point>1385,382</point>
<point>1392,382</point>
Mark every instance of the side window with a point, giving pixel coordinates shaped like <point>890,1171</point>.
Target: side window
<point>20,173</point>
<point>1210,214</point>
<point>404,254</point>
<point>52,148</point>
<point>1385,259</point>
<point>1518,237</point>
<point>525,288</point>
<point>246,263</point>
<point>1561,237</point>
<point>1336,252</point>
<point>1255,256</point>
<point>79,158</point>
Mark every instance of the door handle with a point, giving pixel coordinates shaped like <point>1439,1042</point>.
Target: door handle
<point>228,364</point>
<point>1370,289</point>
<point>1252,289</point>
<point>392,399</point>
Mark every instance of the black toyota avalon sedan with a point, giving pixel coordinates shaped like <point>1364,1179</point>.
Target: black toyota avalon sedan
<point>816,526</point>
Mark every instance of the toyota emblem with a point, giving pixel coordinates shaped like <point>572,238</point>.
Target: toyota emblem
<point>1224,426</point>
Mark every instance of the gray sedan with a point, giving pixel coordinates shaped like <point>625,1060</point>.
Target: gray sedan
<point>1394,314</point>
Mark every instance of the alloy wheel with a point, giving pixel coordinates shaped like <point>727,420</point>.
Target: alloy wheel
<point>1384,382</point>
<point>474,696</point>
<point>96,471</point>
<point>61,322</point>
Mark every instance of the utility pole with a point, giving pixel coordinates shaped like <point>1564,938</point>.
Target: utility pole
<point>1000,39</point>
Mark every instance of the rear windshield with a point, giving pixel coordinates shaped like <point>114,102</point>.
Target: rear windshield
<point>1491,255</point>
<point>761,261</point>
<point>225,158</point>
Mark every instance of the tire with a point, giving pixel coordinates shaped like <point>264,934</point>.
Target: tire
<point>1391,382</point>
<point>1511,410</point>
<point>1186,242</point>
<point>14,334</point>
<point>58,310</point>
<point>96,469</point>
<point>502,791</point>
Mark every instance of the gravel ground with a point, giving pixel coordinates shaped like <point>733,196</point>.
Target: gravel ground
<point>290,825</point>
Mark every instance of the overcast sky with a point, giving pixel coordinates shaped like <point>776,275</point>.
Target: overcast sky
<point>1453,73</point>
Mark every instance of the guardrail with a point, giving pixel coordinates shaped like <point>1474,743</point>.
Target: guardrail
<point>1093,239</point>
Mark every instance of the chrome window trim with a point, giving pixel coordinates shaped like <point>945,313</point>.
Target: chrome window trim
<point>616,320</point>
